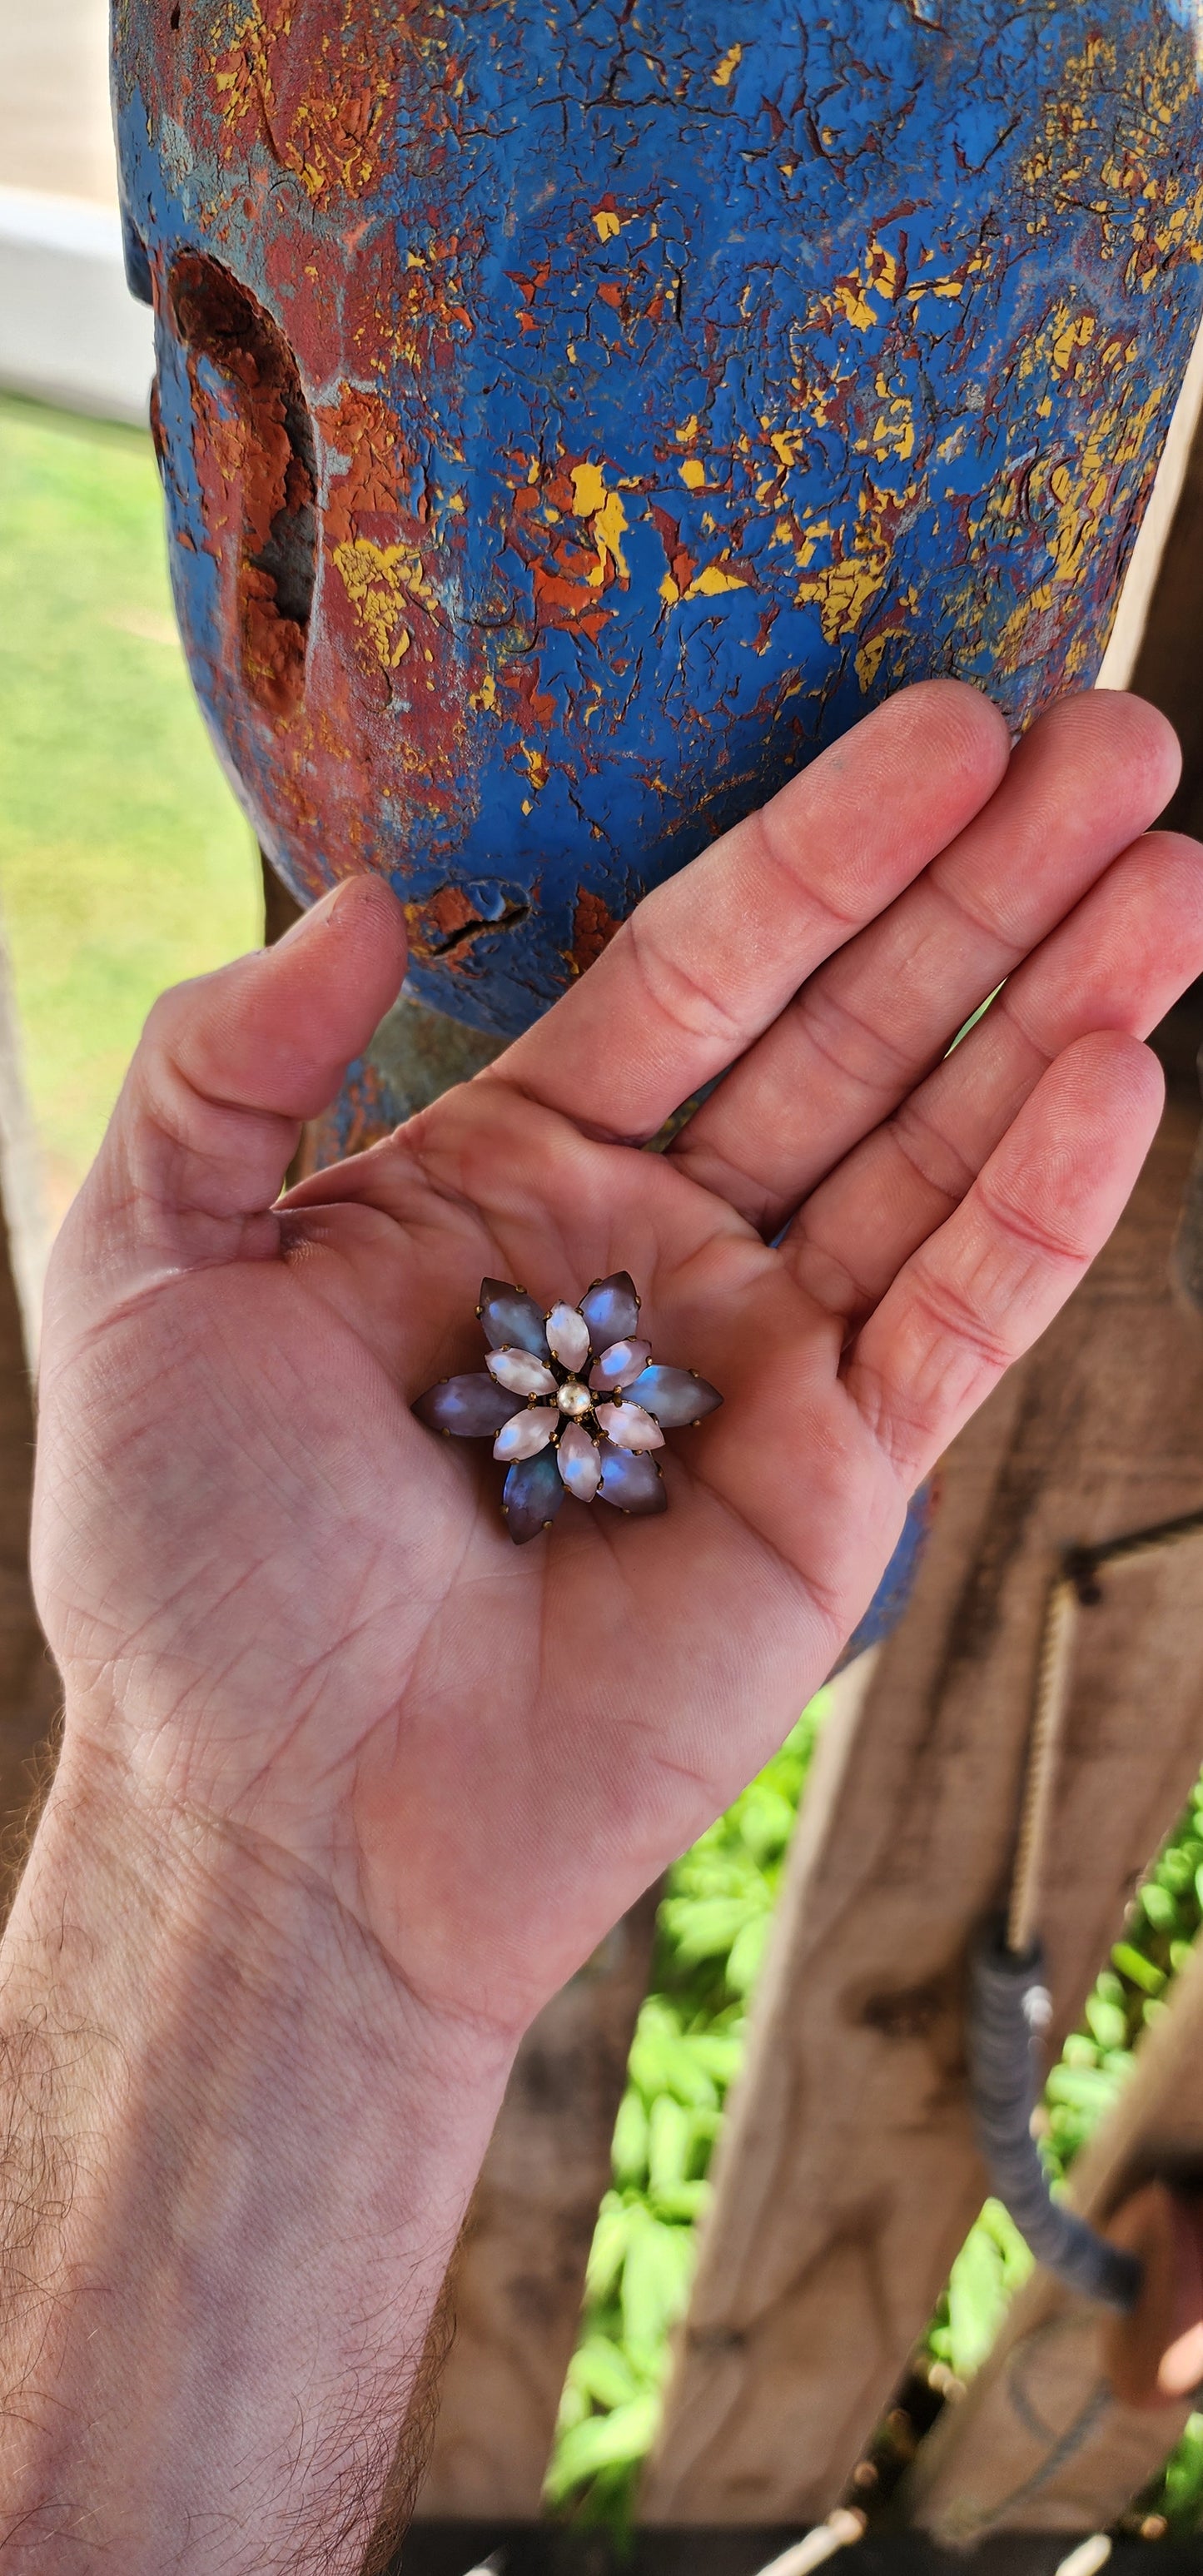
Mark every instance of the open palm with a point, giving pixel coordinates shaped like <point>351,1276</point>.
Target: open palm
<point>282,1602</point>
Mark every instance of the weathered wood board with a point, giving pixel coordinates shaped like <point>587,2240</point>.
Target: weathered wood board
<point>1039,2443</point>
<point>28,1681</point>
<point>1156,585</point>
<point>520,2271</point>
<point>848,2174</point>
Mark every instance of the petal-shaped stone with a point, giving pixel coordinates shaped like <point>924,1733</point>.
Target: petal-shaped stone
<point>568,1335</point>
<point>521,1371</point>
<point>673,1395</point>
<point>630,1480</point>
<point>527,1432</point>
<point>580,1465</point>
<point>618,1366</point>
<point>472,1407</point>
<point>627,1424</point>
<point>532,1496</point>
<point>611,1310</point>
<point>511,1319</point>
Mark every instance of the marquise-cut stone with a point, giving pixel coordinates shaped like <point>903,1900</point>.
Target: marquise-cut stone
<point>618,1366</point>
<point>521,1371</point>
<point>580,1465</point>
<point>472,1407</point>
<point>526,1433</point>
<point>630,1480</point>
<point>532,1496</point>
<point>611,1310</point>
<point>511,1319</point>
<point>674,1395</point>
<point>568,1335</point>
<point>628,1425</point>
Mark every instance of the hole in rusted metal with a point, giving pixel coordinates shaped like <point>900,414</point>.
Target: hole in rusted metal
<point>256,460</point>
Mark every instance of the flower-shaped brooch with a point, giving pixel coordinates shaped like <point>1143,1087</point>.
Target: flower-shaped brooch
<point>557,1429</point>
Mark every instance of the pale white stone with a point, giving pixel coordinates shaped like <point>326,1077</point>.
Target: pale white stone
<point>521,1372</point>
<point>526,1433</point>
<point>619,1366</point>
<point>579,1463</point>
<point>568,1336</point>
<point>573,1398</point>
<point>628,1426</point>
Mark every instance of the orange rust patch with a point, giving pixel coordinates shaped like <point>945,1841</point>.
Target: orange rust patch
<point>363,428</point>
<point>593,927</point>
<point>256,480</point>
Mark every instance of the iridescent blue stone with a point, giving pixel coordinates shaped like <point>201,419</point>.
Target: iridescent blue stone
<point>474,1408</point>
<point>673,1395</point>
<point>511,1319</point>
<point>532,1495</point>
<point>611,1310</point>
<point>630,1479</point>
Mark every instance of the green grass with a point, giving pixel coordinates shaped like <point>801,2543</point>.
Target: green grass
<point>124,862</point>
<point>688,2044</point>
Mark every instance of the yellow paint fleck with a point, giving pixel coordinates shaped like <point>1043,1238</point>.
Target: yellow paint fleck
<point>538,766</point>
<point>784,445</point>
<point>730,63</point>
<point>609,223</point>
<point>607,520</point>
<point>527,806</point>
<point>853,305</point>
<point>379,581</point>
<point>715,578</point>
<point>669,590</point>
<point>485,698</point>
<point>457,504</point>
<point>609,528</point>
<point>693,473</point>
<point>686,435</point>
<point>589,490</point>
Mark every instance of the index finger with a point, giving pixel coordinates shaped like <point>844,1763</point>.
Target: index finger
<point>708,960</point>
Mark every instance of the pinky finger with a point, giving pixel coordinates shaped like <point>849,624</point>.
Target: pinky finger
<point>983,1288</point>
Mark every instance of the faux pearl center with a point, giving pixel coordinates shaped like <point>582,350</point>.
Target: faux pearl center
<point>574,1399</point>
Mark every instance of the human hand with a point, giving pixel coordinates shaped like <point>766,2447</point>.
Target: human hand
<point>282,1605</point>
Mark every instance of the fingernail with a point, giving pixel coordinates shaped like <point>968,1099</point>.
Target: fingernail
<point>317,913</point>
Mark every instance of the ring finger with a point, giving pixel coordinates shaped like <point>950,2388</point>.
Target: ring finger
<point>1124,955</point>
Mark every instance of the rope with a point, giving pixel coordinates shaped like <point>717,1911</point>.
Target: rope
<point>1074,1588</point>
<point>1044,1749</point>
<point>838,2532</point>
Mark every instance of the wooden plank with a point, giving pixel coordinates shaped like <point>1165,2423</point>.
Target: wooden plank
<point>1168,665</point>
<point>848,2174</point>
<point>1156,566</point>
<point>1039,2443</point>
<point>520,2271</point>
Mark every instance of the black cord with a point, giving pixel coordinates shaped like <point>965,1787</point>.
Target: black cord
<point>1009,2009</point>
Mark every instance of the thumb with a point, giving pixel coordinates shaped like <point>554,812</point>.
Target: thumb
<point>227,1068</point>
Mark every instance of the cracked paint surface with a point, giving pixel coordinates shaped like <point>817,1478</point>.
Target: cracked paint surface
<point>573,415</point>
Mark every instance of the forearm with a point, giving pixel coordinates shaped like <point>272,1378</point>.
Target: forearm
<point>235,2158</point>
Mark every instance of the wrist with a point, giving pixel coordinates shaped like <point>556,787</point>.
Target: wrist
<point>247,2148</point>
